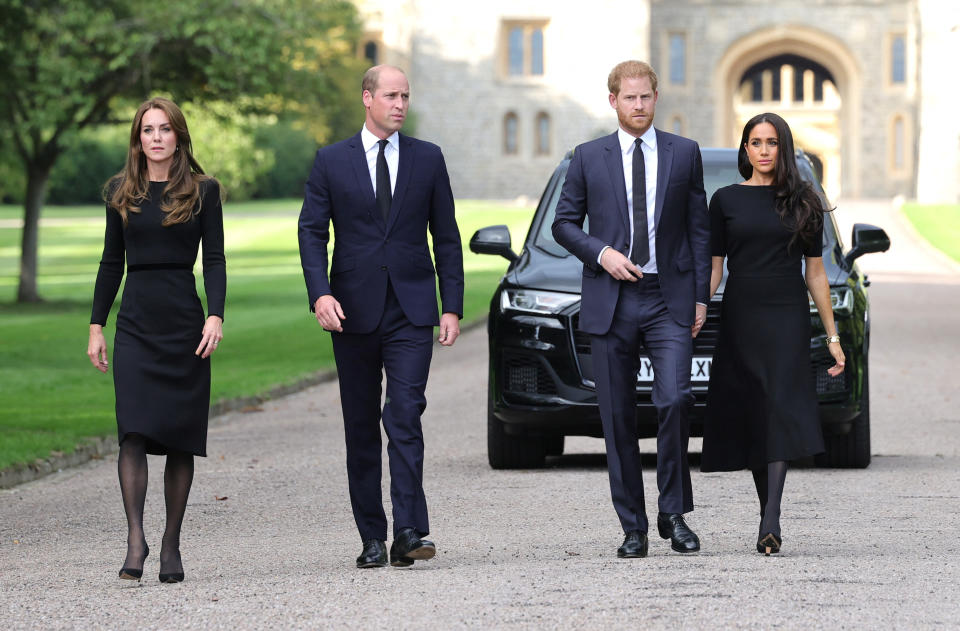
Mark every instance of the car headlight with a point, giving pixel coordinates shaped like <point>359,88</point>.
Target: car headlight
<point>536,301</point>
<point>841,299</point>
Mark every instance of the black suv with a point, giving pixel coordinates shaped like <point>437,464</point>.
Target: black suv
<point>541,377</point>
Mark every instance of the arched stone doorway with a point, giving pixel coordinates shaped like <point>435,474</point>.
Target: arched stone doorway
<point>809,78</point>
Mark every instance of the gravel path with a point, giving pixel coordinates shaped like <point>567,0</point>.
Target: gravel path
<point>269,540</point>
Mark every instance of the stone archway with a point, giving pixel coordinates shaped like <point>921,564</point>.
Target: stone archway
<point>832,131</point>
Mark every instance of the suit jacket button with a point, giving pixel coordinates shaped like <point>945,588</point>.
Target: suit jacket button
<point>383,268</point>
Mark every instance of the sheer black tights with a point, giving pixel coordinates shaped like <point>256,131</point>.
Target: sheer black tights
<point>177,479</point>
<point>132,468</point>
<point>769,483</point>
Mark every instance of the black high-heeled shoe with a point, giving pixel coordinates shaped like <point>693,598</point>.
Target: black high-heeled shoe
<point>133,574</point>
<point>769,544</point>
<point>171,577</point>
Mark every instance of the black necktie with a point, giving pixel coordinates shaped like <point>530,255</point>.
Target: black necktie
<point>641,235</point>
<point>384,196</point>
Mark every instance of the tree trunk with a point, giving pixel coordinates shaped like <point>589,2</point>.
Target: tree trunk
<point>37,178</point>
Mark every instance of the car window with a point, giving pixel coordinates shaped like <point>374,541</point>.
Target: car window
<point>543,233</point>
<point>717,176</point>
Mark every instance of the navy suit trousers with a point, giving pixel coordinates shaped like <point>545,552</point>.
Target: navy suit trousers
<point>403,351</point>
<point>641,318</point>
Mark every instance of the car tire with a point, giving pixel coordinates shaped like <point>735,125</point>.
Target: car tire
<point>553,444</point>
<point>508,451</point>
<point>852,450</point>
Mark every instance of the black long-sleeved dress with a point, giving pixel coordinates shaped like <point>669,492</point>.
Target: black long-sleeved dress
<point>162,387</point>
<point>762,403</point>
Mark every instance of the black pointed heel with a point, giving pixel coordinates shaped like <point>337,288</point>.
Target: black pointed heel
<point>769,544</point>
<point>132,574</point>
<point>171,577</point>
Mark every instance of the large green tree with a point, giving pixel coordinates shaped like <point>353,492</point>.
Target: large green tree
<point>67,65</point>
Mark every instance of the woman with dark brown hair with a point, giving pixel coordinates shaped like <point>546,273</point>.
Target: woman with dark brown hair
<point>762,405</point>
<point>159,209</point>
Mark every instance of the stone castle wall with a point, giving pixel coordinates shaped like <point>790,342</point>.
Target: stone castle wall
<point>454,55</point>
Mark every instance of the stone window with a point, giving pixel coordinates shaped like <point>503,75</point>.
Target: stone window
<point>898,59</point>
<point>371,53</point>
<point>536,51</point>
<point>900,142</point>
<point>676,125</point>
<point>515,51</point>
<point>370,48</point>
<point>522,47</point>
<point>543,134</point>
<point>677,55</point>
<point>510,134</point>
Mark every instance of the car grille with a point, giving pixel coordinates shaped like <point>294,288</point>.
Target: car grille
<point>825,383</point>
<point>523,374</point>
<point>704,344</point>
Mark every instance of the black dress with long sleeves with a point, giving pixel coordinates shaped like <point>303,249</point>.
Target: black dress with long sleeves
<point>762,402</point>
<point>162,387</point>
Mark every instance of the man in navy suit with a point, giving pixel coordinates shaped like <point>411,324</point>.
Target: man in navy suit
<point>646,275</point>
<point>383,192</point>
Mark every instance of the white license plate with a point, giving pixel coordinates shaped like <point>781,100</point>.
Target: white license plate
<point>699,370</point>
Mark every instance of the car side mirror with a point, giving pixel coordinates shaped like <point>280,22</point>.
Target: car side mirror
<point>866,239</point>
<point>493,240</point>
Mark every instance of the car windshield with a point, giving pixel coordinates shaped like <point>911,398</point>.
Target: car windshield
<point>719,170</point>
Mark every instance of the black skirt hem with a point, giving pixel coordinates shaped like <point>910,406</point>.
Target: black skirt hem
<point>156,448</point>
<point>746,466</point>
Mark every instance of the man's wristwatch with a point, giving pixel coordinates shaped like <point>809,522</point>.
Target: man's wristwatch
<point>833,338</point>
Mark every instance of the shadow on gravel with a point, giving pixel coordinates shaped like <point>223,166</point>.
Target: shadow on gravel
<point>591,461</point>
<point>599,461</point>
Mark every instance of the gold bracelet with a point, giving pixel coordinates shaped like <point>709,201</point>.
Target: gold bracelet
<point>831,339</point>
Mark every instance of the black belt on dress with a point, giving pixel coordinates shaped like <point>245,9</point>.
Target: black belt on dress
<point>144,267</point>
<point>795,274</point>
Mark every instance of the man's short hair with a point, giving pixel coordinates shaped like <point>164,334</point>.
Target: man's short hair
<point>371,78</point>
<point>631,69</point>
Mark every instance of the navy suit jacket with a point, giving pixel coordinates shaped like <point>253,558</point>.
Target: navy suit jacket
<point>368,251</point>
<point>595,188</point>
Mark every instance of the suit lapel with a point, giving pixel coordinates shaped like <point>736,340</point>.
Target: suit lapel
<point>404,169</point>
<point>358,158</point>
<point>664,161</point>
<point>614,159</point>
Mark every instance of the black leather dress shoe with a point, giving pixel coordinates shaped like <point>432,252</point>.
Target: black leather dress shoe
<point>673,527</point>
<point>374,554</point>
<point>634,545</point>
<point>409,547</point>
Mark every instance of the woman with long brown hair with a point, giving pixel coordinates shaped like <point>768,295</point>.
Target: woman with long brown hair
<point>159,210</point>
<point>761,404</point>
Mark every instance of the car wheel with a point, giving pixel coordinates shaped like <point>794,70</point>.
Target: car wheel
<point>508,451</point>
<point>554,444</point>
<point>852,450</point>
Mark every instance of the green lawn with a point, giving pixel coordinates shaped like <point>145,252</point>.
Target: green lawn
<point>939,224</point>
<point>52,398</point>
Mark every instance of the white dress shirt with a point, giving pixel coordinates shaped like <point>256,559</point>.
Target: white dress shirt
<point>649,147</point>
<point>391,152</point>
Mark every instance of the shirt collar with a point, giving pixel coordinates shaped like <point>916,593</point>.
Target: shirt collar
<point>649,138</point>
<point>370,141</point>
